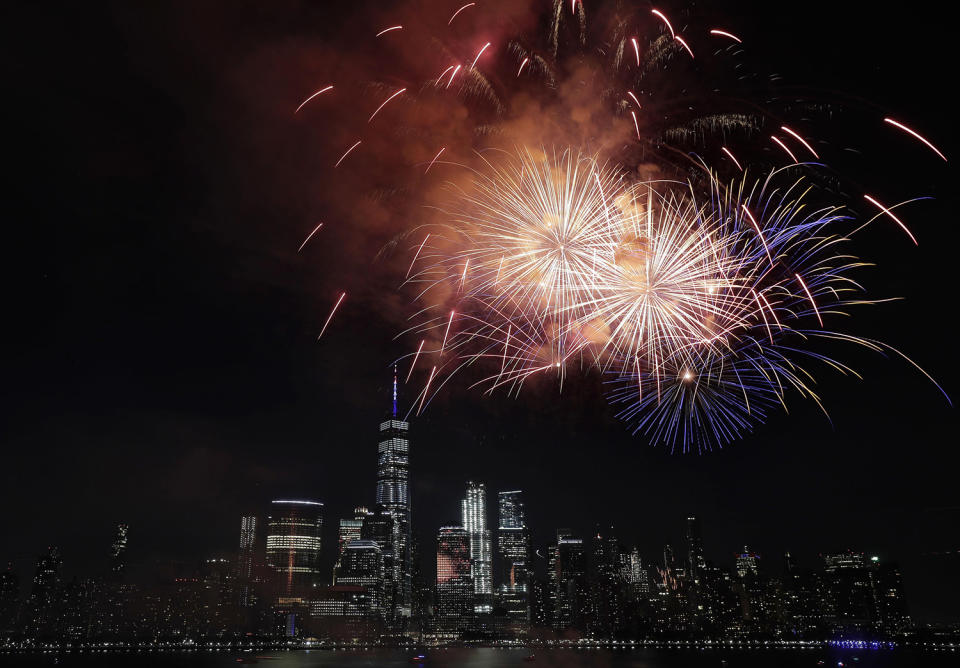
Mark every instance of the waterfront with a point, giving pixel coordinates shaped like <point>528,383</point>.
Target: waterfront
<point>494,658</point>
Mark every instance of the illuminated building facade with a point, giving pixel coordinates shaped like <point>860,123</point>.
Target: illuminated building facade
<point>245,557</point>
<point>513,552</point>
<point>293,547</point>
<point>748,563</point>
<point>361,565</point>
<point>351,528</point>
<point>605,617</point>
<point>455,590</point>
<point>474,508</point>
<point>345,612</point>
<point>851,583</point>
<point>393,498</point>
<point>118,551</point>
<point>695,556</point>
<point>570,578</point>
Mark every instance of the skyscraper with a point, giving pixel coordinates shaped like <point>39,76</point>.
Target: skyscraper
<point>393,497</point>
<point>455,590</point>
<point>351,528</point>
<point>46,580</point>
<point>634,575</point>
<point>293,547</point>
<point>851,584</point>
<point>695,558</point>
<point>571,583</point>
<point>361,565</point>
<point>9,600</point>
<point>891,604</point>
<point>118,551</point>
<point>605,592</point>
<point>748,562</point>
<point>513,551</point>
<point>481,566</point>
<point>248,541</point>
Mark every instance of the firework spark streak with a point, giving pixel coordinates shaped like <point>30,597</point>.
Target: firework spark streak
<point>330,317</point>
<point>660,15</point>
<point>917,135</point>
<point>434,160</point>
<point>343,157</point>
<point>800,139</point>
<point>684,44</point>
<point>469,4</point>
<point>724,33</point>
<point>310,236</point>
<point>399,92</point>
<point>413,364</point>
<point>784,147</point>
<point>735,161</point>
<point>319,92</point>
<point>895,219</point>
<point>479,53</point>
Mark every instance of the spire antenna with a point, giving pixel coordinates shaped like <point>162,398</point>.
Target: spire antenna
<point>394,390</point>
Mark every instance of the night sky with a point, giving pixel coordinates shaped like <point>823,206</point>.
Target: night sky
<point>161,366</point>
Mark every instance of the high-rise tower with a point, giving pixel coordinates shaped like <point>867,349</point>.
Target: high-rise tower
<point>695,558</point>
<point>248,542</point>
<point>513,552</point>
<point>481,562</point>
<point>293,547</point>
<point>454,581</point>
<point>118,551</point>
<point>393,498</point>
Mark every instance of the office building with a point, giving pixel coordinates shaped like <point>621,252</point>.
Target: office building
<point>293,547</point>
<point>393,498</point>
<point>474,507</point>
<point>455,590</point>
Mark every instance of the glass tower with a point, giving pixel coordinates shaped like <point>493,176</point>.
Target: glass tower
<point>481,562</point>
<point>513,552</point>
<point>454,580</point>
<point>293,547</point>
<point>118,551</point>
<point>393,498</point>
<point>248,541</point>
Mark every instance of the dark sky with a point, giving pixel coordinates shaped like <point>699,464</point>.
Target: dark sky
<point>160,360</point>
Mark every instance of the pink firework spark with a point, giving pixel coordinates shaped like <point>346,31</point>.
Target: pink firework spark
<point>385,104</point>
<point>724,33</point>
<point>800,139</point>
<point>915,134</point>
<point>890,213</point>
<point>342,157</point>
<point>658,13</point>
<point>469,4</point>
<point>310,236</point>
<point>784,147</point>
<point>735,161</point>
<point>330,317</point>
<point>319,92</point>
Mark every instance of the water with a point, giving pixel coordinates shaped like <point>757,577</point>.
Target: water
<point>497,658</point>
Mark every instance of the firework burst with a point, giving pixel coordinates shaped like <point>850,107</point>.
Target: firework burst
<point>697,295</point>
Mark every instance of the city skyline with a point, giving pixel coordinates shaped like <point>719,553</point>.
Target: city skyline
<point>508,513</point>
<point>165,383</point>
<point>495,581</point>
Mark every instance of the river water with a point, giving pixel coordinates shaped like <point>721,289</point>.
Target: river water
<point>498,658</point>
